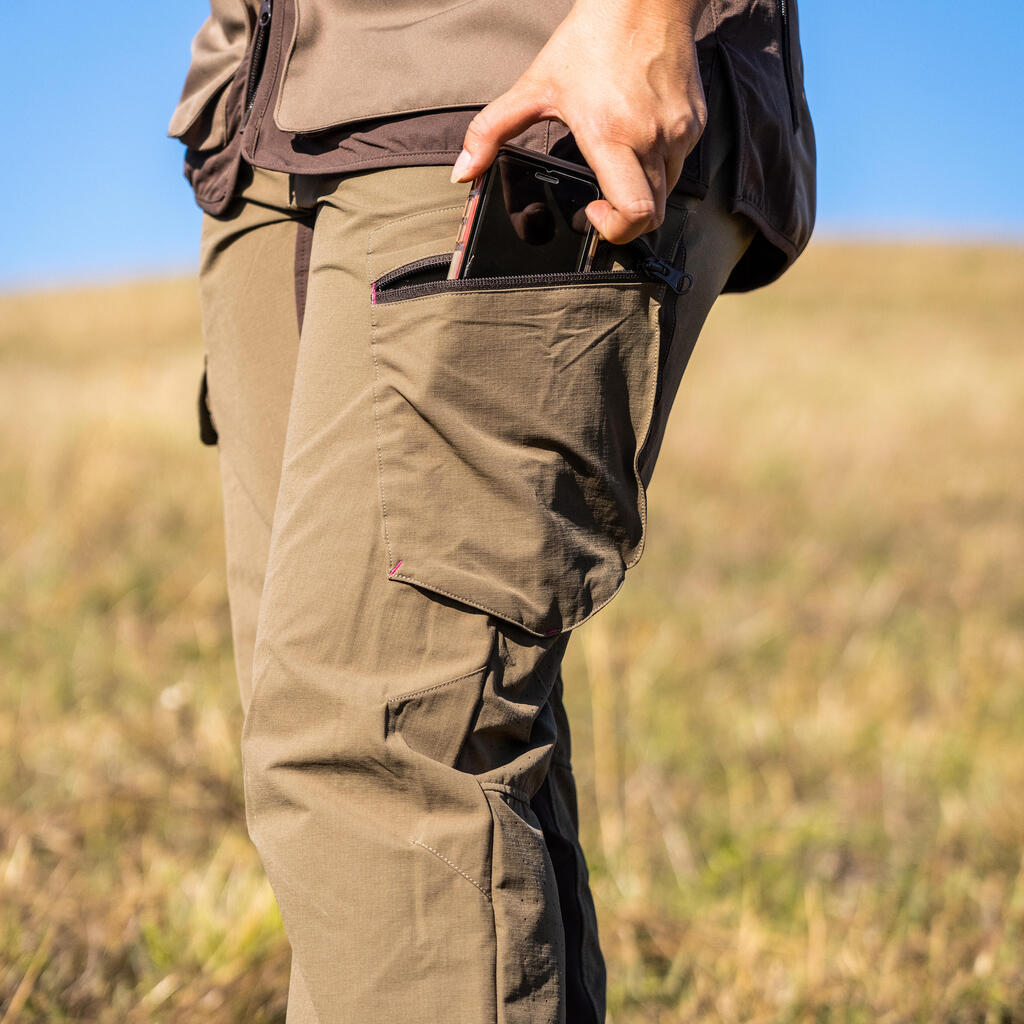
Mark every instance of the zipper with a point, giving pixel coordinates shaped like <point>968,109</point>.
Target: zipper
<point>652,266</point>
<point>787,61</point>
<point>649,267</point>
<point>441,260</point>
<point>256,61</point>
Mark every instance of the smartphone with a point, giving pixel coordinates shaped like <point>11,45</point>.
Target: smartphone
<point>526,214</point>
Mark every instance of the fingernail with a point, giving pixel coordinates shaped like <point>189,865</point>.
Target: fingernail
<point>459,170</point>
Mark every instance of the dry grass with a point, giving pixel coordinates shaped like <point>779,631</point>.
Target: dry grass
<point>799,732</point>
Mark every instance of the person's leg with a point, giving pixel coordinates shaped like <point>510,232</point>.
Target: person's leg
<point>252,279</point>
<point>253,261</point>
<point>394,739</point>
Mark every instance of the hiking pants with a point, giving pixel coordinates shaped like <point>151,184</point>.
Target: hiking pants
<point>425,489</point>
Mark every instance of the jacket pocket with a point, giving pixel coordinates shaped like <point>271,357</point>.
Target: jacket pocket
<point>213,155</point>
<point>510,413</point>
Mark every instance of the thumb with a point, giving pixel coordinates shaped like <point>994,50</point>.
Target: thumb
<point>502,119</point>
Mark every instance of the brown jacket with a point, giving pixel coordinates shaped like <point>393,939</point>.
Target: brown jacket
<point>330,68</point>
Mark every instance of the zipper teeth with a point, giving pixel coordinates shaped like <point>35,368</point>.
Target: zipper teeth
<point>521,280</point>
<point>787,63</point>
<point>651,265</point>
<point>259,46</point>
<point>384,293</point>
<point>411,268</point>
<point>441,259</point>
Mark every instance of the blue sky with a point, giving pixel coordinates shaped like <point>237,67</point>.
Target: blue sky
<point>918,108</point>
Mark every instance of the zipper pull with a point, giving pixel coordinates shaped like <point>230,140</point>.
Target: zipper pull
<point>661,270</point>
<point>264,13</point>
<point>651,265</point>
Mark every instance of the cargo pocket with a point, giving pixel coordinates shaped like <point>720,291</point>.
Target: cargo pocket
<point>510,413</point>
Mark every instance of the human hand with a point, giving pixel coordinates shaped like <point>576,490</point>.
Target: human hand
<point>623,76</point>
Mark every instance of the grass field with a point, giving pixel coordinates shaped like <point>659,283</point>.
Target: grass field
<point>799,732</point>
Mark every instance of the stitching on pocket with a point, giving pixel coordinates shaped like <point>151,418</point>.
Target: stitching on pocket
<point>462,600</point>
<point>371,251</point>
<point>454,867</point>
<point>402,698</point>
<point>376,418</point>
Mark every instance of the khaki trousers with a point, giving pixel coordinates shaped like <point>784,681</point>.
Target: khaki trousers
<point>424,491</point>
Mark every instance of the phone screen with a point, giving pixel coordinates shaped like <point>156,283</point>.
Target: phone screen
<point>531,220</point>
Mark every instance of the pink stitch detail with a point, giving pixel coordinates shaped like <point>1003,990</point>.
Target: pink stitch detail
<point>373,294</point>
<point>398,566</point>
<point>551,632</point>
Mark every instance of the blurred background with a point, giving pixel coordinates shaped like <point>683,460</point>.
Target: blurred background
<point>799,732</point>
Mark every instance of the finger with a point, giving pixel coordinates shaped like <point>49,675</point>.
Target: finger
<point>683,144</point>
<point>657,177</point>
<point>502,119</point>
<point>674,167</point>
<point>630,205</point>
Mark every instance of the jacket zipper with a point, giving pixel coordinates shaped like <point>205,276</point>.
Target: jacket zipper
<point>256,61</point>
<point>650,267</point>
<point>787,62</point>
